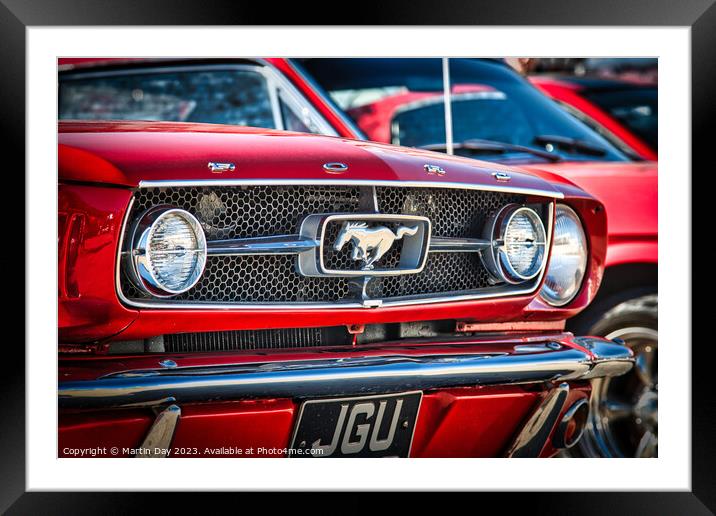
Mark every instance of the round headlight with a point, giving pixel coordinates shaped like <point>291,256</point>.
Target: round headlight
<point>519,239</point>
<point>168,252</point>
<point>568,261</point>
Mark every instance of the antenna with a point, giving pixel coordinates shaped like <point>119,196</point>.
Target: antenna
<point>447,101</point>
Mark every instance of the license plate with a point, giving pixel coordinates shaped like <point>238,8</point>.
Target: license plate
<point>367,426</point>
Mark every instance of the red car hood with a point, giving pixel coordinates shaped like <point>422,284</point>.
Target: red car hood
<point>129,152</point>
<point>628,190</point>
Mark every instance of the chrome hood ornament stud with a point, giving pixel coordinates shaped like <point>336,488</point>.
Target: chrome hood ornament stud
<point>434,170</point>
<point>335,167</point>
<point>502,176</point>
<point>370,244</point>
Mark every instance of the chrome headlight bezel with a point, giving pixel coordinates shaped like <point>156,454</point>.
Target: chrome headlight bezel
<point>138,262</point>
<point>583,264</point>
<point>497,258</point>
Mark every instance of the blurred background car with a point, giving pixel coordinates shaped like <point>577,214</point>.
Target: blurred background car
<point>642,70</point>
<point>480,108</point>
<point>624,112</point>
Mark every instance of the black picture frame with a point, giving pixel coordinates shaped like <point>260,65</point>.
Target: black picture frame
<point>17,15</point>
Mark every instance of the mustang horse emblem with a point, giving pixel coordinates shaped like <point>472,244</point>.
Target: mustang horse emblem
<point>370,244</point>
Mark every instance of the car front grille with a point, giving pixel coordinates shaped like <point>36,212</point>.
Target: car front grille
<point>227,212</point>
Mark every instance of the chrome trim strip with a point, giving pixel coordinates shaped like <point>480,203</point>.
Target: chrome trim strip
<point>120,248</point>
<point>534,433</point>
<point>342,376</point>
<point>159,438</point>
<point>458,245</point>
<point>349,182</point>
<point>294,244</point>
<point>280,244</point>
<point>497,292</point>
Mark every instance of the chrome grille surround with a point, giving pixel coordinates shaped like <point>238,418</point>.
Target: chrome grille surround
<point>247,208</point>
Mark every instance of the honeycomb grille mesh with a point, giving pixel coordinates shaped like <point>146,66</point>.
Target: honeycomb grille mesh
<point>445,273</point>
<point>453,213</point>
<point>262,279</point>
<point>254,211</point>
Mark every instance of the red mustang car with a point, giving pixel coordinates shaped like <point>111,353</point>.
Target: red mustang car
<point>229,289</point>
<point>259,304</point>
<point>622,111</point>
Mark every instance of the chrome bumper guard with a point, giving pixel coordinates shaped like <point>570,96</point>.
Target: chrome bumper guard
<point>529,363</point>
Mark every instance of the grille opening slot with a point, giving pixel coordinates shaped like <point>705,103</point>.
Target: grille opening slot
<point>284,338</point>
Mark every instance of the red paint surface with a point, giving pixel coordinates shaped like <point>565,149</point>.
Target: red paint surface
<point>629,192</point>
<point>470,422</point>
<point>98,432</point>
<point>92,311</point>
<point>234,427</point>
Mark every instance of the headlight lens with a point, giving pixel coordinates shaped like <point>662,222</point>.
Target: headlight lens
<point>568,261</point>
<point>169,252</point>
<point>524,240</point>
<point>518,246</point>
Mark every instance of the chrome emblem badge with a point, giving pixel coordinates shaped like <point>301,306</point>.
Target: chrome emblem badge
<point>358,244</point>
<point>370,244</point>
<point>434,170</point>
<point>218,168</point>
<point>335,168</point>
<point>501,176</point>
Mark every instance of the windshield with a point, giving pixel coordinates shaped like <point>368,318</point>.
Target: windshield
<point>239,97</point>
<point>636,108</point>
<point>401,101</point>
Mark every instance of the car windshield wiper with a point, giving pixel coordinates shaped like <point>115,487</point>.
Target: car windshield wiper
<point>479,145</point>
<point>571,144</point>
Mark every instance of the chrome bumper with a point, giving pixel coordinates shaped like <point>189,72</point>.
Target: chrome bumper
<point>586,358</point>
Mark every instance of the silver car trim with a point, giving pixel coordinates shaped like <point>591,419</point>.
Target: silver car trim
<point>554,194</point>
<point>458,245</point>
<point>279,244</point>
<point>294,244</point>
<point>344,376</point>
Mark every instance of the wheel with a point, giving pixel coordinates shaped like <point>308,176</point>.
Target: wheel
<point>623,419</point>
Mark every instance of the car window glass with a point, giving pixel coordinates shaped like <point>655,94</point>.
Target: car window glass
<point>238,97</point>
<point>294,122</point>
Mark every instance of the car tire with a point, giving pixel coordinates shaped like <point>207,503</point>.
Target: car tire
<point>623,419</point>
